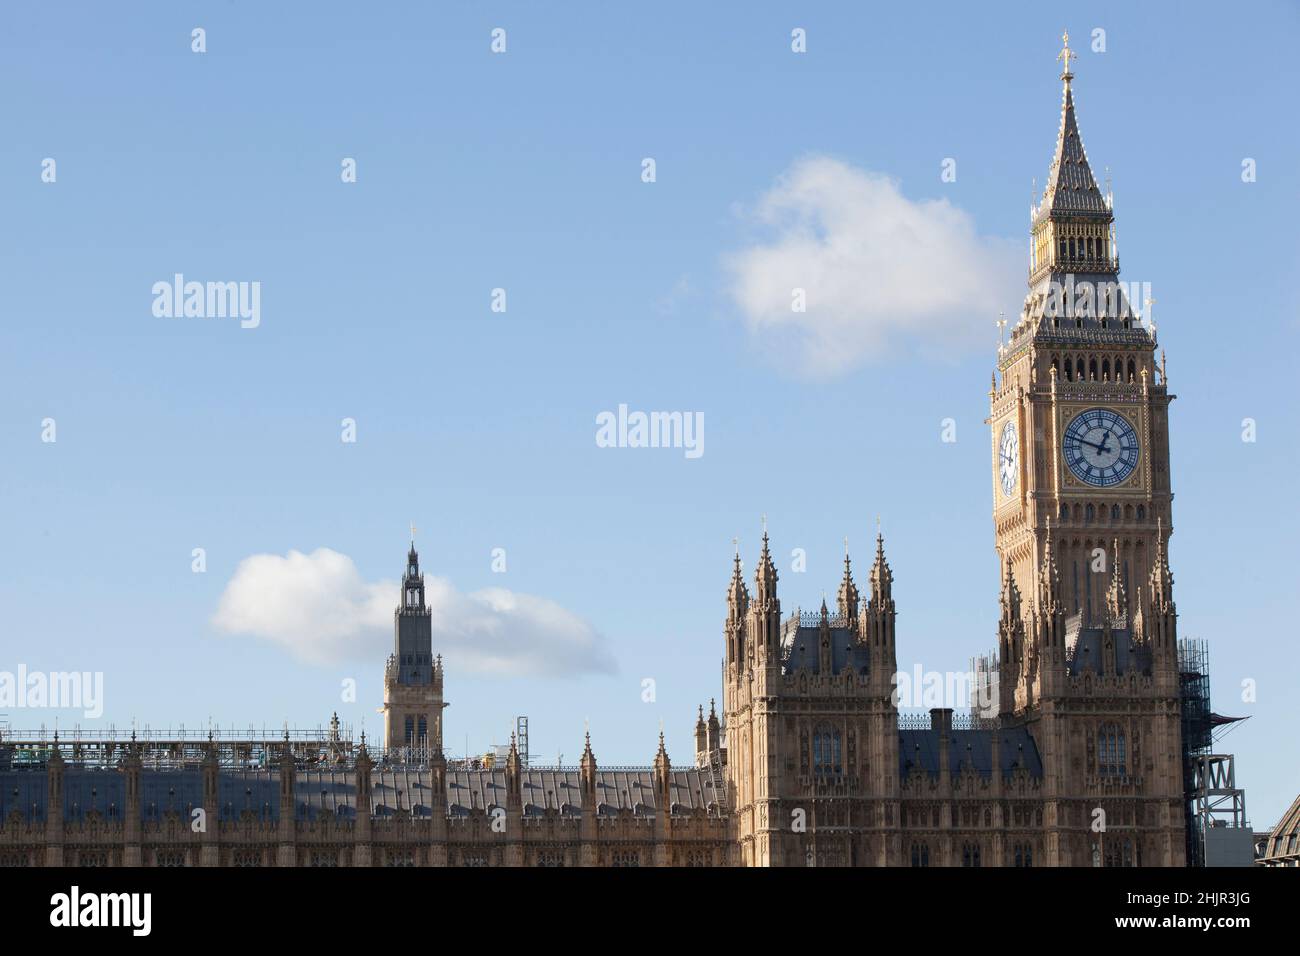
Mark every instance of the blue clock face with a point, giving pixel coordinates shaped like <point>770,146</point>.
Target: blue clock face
<point>1100,447</point>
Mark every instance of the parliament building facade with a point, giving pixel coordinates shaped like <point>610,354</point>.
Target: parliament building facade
<point>1078,763</point>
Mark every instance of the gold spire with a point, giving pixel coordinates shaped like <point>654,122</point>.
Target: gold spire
<point>1065,56</point>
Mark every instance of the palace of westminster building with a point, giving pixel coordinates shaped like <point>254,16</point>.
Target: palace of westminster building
<point>809,761</point>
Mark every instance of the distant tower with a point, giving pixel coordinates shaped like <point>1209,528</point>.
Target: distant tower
<point>413,678</point>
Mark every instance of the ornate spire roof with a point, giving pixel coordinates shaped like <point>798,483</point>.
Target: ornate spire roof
<point>737,593</point>
<point>1162,579</point>
<point>1010,593</point>
<point>847,600</point>
<point>1117,601</point>
<point>881,577</point>
<point>1071,187</point>
<point>1049,576</point>
<point>765,575</point>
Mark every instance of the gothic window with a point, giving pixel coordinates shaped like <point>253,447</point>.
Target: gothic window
<point>169,858</point>
<point>14,859</point>
<point>970,854</point>
<point>1114,512</point>
<point>410,730</point>
<point>1092,370</point>
<point>550,858</point>
<point>1142,512</point>
<point>1089,513</point>
<point>1132,371</point>
<point>1078,368</point>
<point>1065,512</point>
<point>424,729</point>
<point>1105,369</point>
<point>399,858</point>
<point>826,752</point>
<point>626,858</point>
<point>920,854</point>
<point>1024,854</point>
<point>1111,756</point>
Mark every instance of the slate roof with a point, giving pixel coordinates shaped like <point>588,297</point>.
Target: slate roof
<point>1083,650</point>
<point>801,646</point>
<point>1016,748</point>
<point>1071,187</point>
<point>319,794</point>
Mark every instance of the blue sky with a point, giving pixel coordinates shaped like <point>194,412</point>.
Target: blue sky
<point>522,171</point>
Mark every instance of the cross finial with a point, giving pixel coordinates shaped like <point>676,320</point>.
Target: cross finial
<point>1066,55</point>
<point>412,532</point>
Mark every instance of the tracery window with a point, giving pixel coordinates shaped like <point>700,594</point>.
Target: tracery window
<point>826,752</point>
<point>1112,760</point>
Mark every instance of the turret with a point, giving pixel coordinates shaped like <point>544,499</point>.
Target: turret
<point>765,609</point>
<point>737,608</point>
<point>847,599</point>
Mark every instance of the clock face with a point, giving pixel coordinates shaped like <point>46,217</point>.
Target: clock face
<point>1008,458</point>
<point>1100,447</point>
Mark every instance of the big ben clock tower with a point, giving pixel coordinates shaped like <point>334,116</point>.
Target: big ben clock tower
<point>1081,510</point>
<point>1079,406</point>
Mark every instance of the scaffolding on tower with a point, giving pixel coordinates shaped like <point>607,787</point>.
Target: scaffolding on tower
<point>1218,831</point>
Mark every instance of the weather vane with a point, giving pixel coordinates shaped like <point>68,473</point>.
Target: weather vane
<point>1065,56</point>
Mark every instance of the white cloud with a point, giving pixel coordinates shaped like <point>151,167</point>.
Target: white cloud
<point>879,270</point>
<point>318,607</point>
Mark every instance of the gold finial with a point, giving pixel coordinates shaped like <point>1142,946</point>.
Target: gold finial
<point>1066,55</point>
<point>412,532</point>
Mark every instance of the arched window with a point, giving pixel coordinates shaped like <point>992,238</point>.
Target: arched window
<point>1105,369</point>
<point>1114,512</point>
<point>1089,513</point>
<point>410,731</point>
<point>970,854</point>
<point>1111,756</point>
<point>1092,370</point>
<point>920,854</point>
<point>826,752</point>
<point>1065,512</point>
<point>424,729</point>
<point>1142,512</point>
<point>1132,371</point>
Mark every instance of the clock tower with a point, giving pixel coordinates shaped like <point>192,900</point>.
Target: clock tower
<point>1079,418</point>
